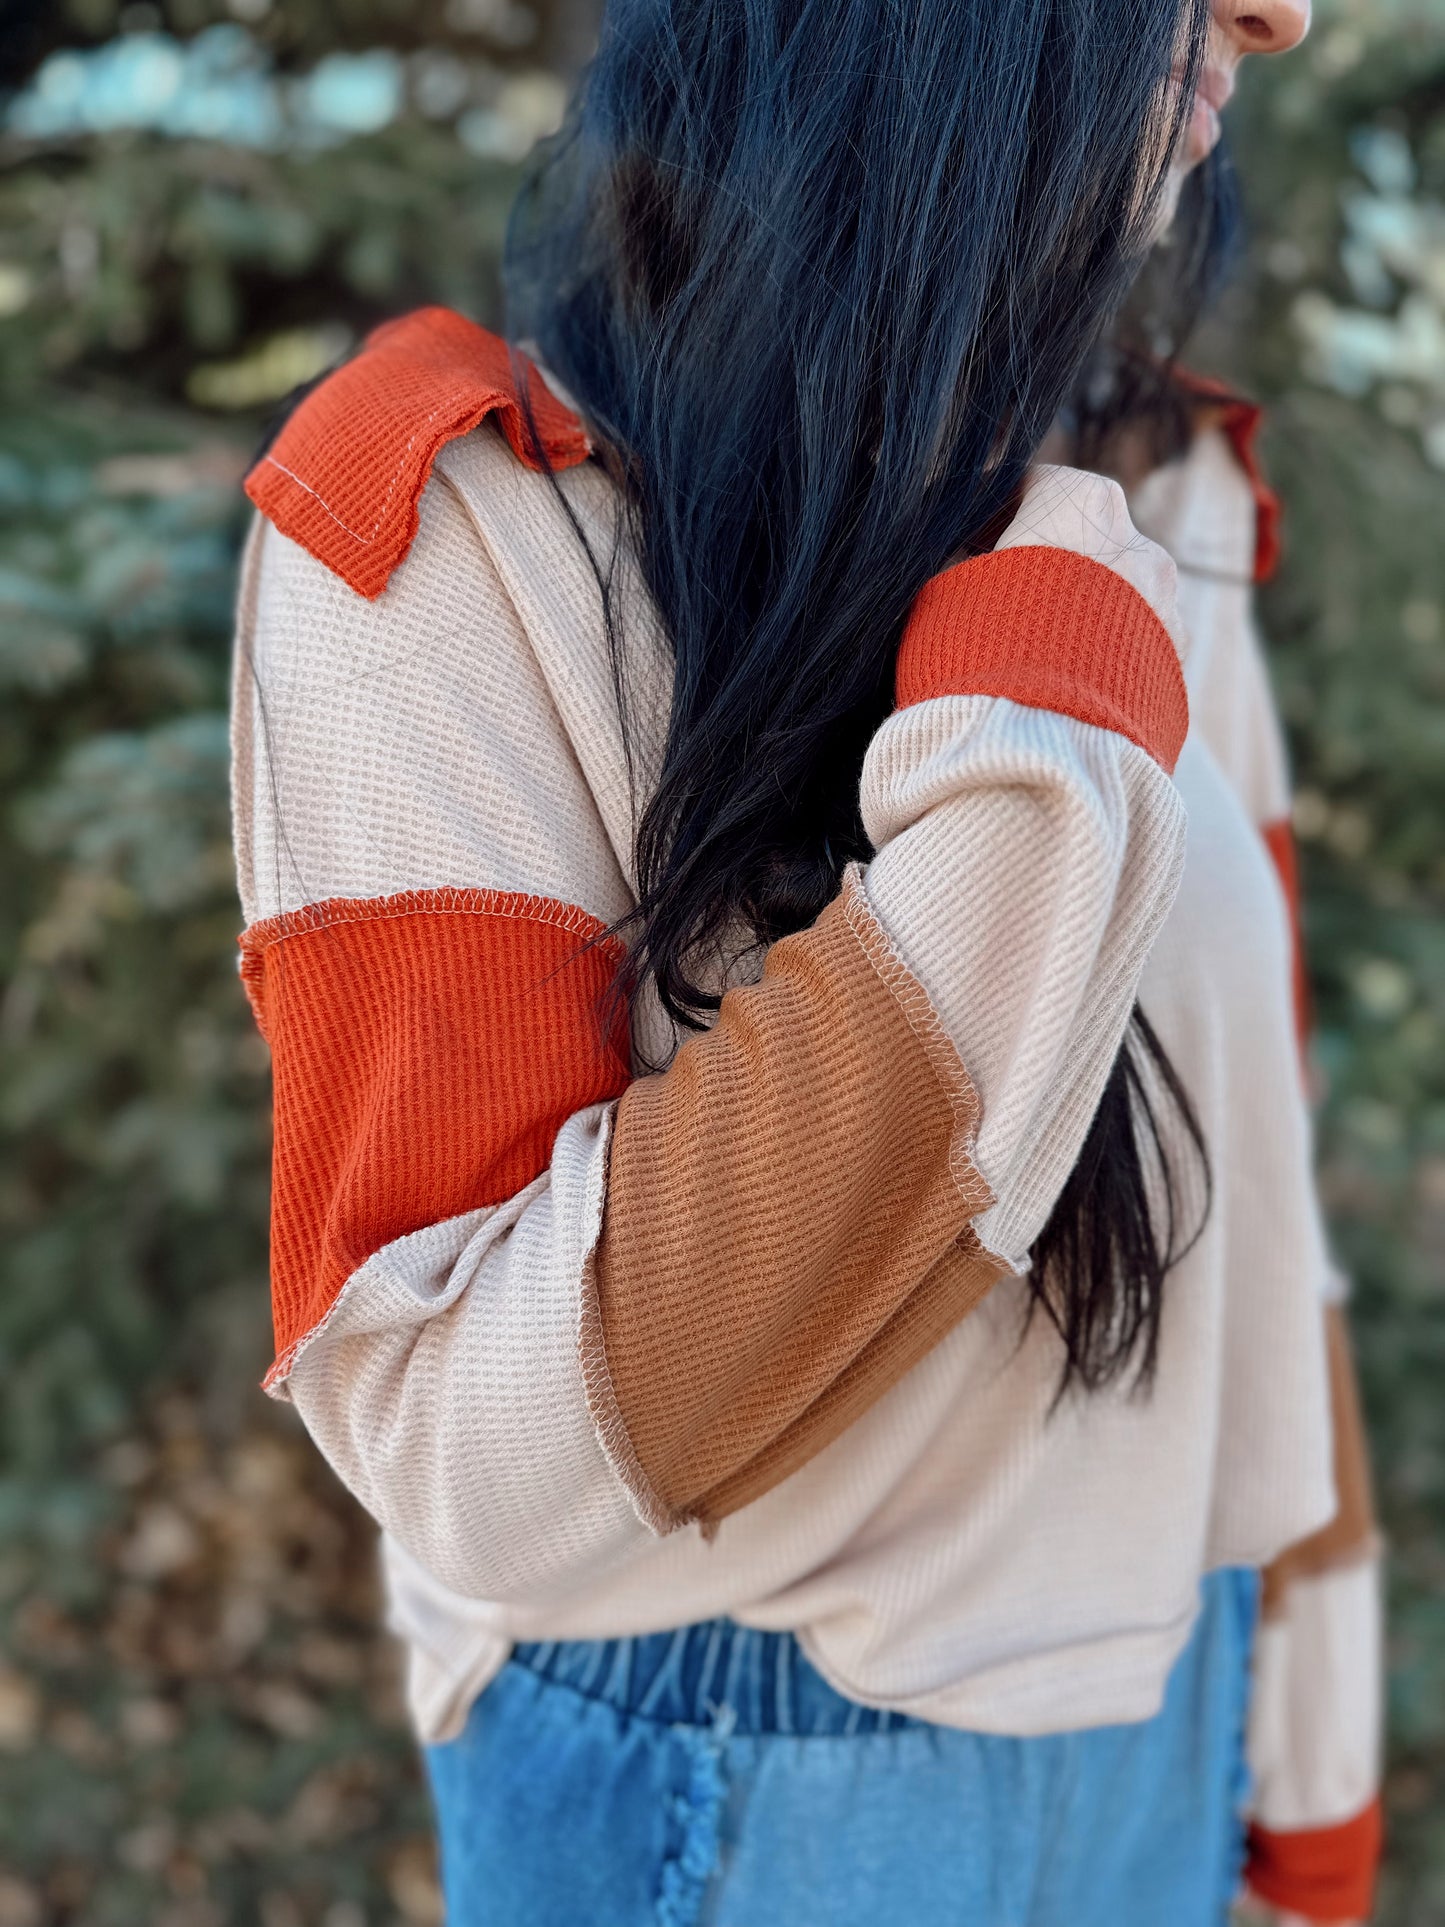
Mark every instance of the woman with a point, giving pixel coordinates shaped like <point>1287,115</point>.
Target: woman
<point>826,1435</point>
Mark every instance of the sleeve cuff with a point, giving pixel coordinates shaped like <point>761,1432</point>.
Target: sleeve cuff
<point>1052,630</point>
<point>1323,1873</point>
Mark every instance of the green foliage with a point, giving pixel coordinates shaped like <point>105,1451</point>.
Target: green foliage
<point>198,1723</point>
<point>198,1718</point>
<point>153,257</point>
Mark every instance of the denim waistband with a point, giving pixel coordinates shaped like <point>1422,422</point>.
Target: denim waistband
<point>715,1673</point>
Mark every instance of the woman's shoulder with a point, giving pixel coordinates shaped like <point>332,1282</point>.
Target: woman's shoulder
<point>422,685</point>
<point>411,560</point>
<point>345,476</point>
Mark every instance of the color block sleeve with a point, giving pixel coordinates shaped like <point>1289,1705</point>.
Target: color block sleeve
<point>1236,712</point>
<point>426,887</point>
<point>1315,1716</point>
<point>532,1307</point>
<point>528,1324</point>
<point>1031,843</point>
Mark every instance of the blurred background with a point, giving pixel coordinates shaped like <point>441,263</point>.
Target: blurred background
<point>203,203</point>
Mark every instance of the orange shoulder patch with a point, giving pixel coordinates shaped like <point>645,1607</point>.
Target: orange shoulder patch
<point>1240,420</point>
<point>345,474</point>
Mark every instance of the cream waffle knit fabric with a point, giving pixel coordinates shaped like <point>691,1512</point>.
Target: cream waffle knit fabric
<point>962,1551</point>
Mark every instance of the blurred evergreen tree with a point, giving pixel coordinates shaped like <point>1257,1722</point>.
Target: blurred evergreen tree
<point>198,1723</point>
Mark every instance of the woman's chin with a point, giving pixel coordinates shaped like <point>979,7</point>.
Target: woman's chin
<point>1201,137</point>
<point>1196,144</point>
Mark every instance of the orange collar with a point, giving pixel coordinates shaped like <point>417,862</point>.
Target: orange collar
<point>345,475</point>
<point>1240,421</point>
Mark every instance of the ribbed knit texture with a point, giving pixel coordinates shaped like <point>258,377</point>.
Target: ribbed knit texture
<point>1053,630</point>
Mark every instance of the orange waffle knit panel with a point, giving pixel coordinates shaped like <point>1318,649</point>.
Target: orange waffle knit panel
<point>426,1050</point>
<point>344,476</point>
<point>784,1217</point>
<point>1322,1873</point>
<point>1279,841</point>
<point>1052,630</point>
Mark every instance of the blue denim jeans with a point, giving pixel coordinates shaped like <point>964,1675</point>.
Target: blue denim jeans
<point>712,1778</point>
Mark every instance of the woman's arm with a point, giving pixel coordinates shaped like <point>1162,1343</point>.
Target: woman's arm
<point>1317,1708</point>
<point>533,1308</point>
<point>1315,1714</point>
<point>1314,1739</point>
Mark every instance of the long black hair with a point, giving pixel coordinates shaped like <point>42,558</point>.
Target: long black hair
<point>822,275</point>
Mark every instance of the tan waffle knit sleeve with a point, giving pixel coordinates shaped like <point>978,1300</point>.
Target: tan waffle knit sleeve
<point>788,1222</point>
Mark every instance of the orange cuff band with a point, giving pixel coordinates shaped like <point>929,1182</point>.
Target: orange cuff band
<point>1324,1873</point>
<point>1052,630</point>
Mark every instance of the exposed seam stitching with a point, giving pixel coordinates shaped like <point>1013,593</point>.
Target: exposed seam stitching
<point>291,476</point>
<point>367,540</point>
<point>277,1379</point>
<point>923,1020</point>
<point>284,1364</point>
<point>598,1390</point>
<point>275,1382</point>
<point>414,903</point>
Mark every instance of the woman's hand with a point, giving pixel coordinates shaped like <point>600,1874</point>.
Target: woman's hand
<point>1073,508</point>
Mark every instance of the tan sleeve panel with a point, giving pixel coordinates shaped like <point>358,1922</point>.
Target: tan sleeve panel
<point>787,1223</point>
<point>1352,1534</point>
<point>953,1287</point>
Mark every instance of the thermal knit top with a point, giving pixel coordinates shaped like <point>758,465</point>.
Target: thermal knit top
<point>607,1348</point>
